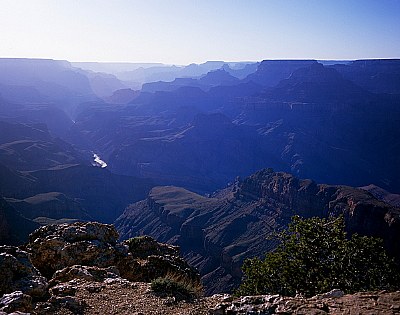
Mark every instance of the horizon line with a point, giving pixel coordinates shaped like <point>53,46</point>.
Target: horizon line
<point>198,63</point>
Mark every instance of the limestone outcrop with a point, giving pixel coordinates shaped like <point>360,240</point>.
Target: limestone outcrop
<point>330,303</point>
<point>18,274</point>
<point>59,259</point>
<point>54,247</point>
<point>15,302</point>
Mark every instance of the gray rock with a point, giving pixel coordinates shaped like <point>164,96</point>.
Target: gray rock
<point>83,250</point>
<point>18,274</point>
<point>55,247</point>
<point>55,303</point>
<point>148,259</point>
<point>88,273</point>
<point>64,289</point>
<point>335,293</point>
<point>15,301</point>
<point>78,231</point>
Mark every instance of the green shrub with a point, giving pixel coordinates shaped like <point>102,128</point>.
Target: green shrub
<point>178,286</point>
<point>314,256</point>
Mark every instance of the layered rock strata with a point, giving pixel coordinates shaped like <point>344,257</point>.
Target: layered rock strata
<point>217,233</point>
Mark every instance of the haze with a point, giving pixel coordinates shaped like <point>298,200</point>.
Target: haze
<point>181,32</point>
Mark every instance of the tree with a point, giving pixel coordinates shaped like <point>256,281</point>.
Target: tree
<point>315,256</point>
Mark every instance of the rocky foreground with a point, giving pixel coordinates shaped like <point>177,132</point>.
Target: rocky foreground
<point>80,268</point>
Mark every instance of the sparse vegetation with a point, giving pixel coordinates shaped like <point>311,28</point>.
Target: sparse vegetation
<point>315,256</point>
<point>178,286</point>
<point>136,241</point>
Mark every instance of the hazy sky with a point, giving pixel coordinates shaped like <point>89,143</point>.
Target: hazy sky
<point>186,31</point>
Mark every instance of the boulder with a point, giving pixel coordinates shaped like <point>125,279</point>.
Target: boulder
<point>18,274</point>
<point>144,246</point>
<point>148,259</point>
<point>85,273</point>
<point>89,251</point>
<point>55,247</point>
<point>56,305</point>
<point>15,301</point>
<point>78,231</point>
<point>80,257</point>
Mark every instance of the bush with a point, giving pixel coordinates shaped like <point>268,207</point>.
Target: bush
<point>314,256</point>
<point>177,286</point>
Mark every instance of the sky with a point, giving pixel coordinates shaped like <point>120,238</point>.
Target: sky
<point>189,31</point>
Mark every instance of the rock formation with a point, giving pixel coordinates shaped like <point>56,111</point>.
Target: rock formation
<point>44,176</point>
<point>330,303</point>
<point>87,254</point>
<point>381,194</point>
<point>54,247</point>
<point>15,303</point>
<point>217,233</point>
<point>302,117</point>
<point>110,278</point>
<point>18,274</point>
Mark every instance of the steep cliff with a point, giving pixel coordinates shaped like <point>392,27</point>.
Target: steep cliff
<point>14,228</point>
<point>217,233</point>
